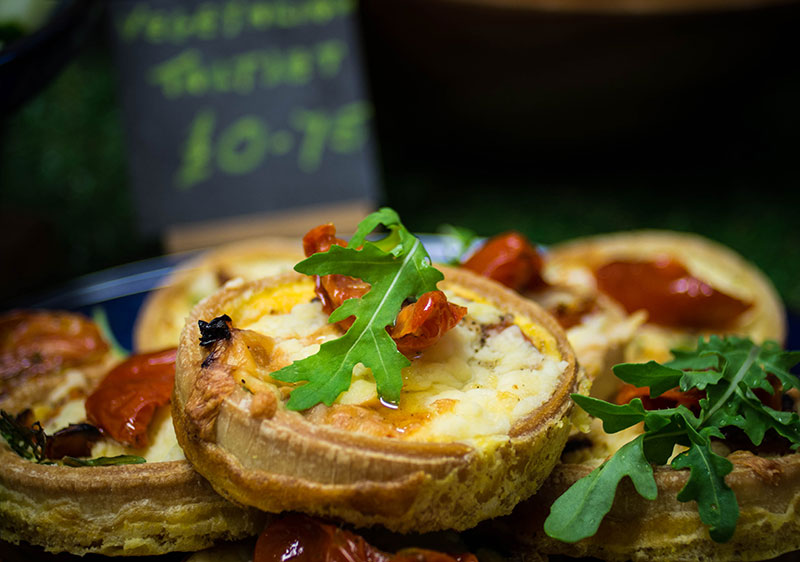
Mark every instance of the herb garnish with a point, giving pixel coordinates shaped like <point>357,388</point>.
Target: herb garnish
<point>461,238</point>
<point>104,461</point>
<point>729,370</point>
<point>397,267</point>
<point>27,441</point>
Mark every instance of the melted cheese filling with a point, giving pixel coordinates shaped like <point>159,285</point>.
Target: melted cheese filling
<point>484,375</point>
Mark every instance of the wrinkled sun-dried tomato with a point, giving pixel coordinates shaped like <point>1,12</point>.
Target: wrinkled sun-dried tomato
<point>124,403</point>
<point>510,259</point>
<point>419,324</point>
<point>669,293</point>
<point>300,538</point>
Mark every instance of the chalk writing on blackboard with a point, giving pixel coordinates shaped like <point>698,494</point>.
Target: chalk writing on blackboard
<point>236,106</point>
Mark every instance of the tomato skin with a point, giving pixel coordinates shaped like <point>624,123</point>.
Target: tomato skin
<point>510,259</point>
<point>124,403</point>
<point>299,538</point>
<point>38,341</point>
<point>669,294</point>
<point>669,399</point>
<point>421,324</point>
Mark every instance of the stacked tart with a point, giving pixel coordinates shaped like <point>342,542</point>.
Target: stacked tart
<point>476,423</point>
<point>703,305</point>
<point>66,484</point>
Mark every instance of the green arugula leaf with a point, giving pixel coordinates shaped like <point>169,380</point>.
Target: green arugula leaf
<point>660,443</point>
<point>658,377</point>
<point>716,502</point>
<point>778,362</point>
<point>397,267</point>
<point>729,370</point>
<point>462,239</point>
<point>670,429</point>
<point>577,514</point>
<point>615,417</point>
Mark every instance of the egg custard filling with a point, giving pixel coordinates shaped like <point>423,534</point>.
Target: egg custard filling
<point>484,375</point>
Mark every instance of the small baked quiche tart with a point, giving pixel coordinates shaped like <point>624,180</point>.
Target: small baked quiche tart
<point>75,489</point>
<point>482,416</point>
<point>688,286</point>
<point>160,320</point>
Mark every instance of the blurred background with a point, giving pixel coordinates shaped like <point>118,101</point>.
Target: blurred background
<point>557,119</point>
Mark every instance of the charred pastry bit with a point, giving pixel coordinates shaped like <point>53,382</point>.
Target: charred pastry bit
<point>218,329</point>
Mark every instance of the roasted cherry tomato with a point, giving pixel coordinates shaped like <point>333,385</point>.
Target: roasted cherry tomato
<point>509,259</point>
<point>669,399</point>
<point>419,325</point>
<point>669,294</point>
<point>38,341</point>
<point>332,290</point>
<point>300,538</point>
<point>124,403</point>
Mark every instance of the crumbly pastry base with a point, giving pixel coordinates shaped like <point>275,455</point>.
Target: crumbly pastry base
<point>284,462</point>
<point>160,320</point>
<point>767,489</point>
<point>141,509</point>
<point>144,509</point>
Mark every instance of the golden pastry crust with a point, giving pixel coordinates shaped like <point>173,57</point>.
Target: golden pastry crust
<point>287,462</point>
<point>767,490</point>
<point>146,509</point>
<point>161,317</point>
<point>141,509</point>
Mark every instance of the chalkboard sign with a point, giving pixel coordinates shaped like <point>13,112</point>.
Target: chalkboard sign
<point>235,107</point>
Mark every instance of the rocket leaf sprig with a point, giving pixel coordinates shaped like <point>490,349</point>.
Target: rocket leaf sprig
<point>397,267</point>
<point>729,370</point>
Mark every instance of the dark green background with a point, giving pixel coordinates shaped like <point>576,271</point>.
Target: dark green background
<point>723,164</point>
